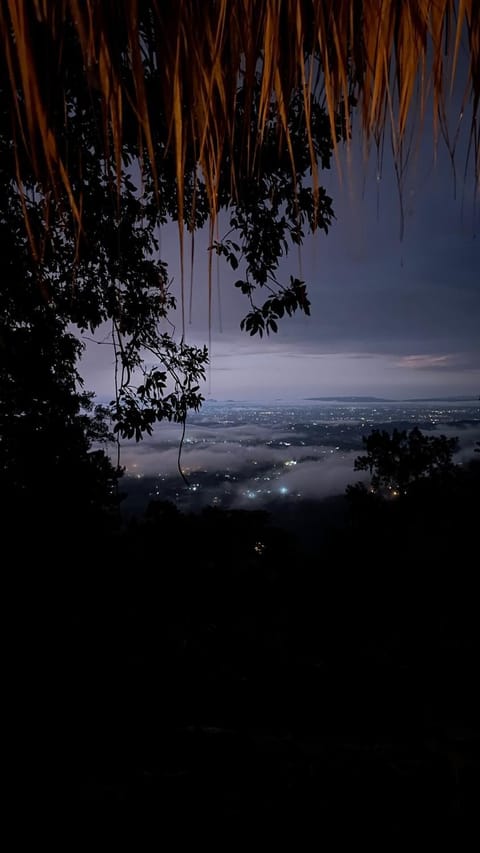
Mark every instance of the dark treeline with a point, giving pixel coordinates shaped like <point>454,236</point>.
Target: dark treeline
<point>209,663</point>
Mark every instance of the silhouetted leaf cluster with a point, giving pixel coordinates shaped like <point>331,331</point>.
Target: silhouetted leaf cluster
<point>398,460</point>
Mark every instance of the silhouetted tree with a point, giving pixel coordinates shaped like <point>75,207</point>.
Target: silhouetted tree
<point>108,271</point>
<point>50,431</point>
<point>397,460</point>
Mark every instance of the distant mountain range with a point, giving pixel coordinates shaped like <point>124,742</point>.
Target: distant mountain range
<point>350,399</point>
<point>464,399</point>
<point>467,398</point>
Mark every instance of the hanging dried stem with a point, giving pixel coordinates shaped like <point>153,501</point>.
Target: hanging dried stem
<point>382,50</point>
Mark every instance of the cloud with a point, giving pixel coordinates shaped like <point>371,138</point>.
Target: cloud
<point>427,362</point>
<point>263,461</point>
<point>316,479</point>
<point>254,456</point>
<point>215,454</point>
<point>389,317</point>
<point>315,472</point>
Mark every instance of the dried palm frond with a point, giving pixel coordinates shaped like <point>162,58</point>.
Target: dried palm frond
<point>388,54</point>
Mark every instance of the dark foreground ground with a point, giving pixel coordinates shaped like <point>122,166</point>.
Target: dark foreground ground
<point>208,667</point>
<point>353,739</point>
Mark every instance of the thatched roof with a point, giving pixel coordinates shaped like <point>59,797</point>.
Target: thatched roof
<point>390,54</point>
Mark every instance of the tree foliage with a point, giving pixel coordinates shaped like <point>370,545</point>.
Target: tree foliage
<point>110,272</point>
<point>400,459</point>
<point>50,431</point>
<point>108,279</point>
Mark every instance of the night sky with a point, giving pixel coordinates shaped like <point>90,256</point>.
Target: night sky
<point>391,316</point>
